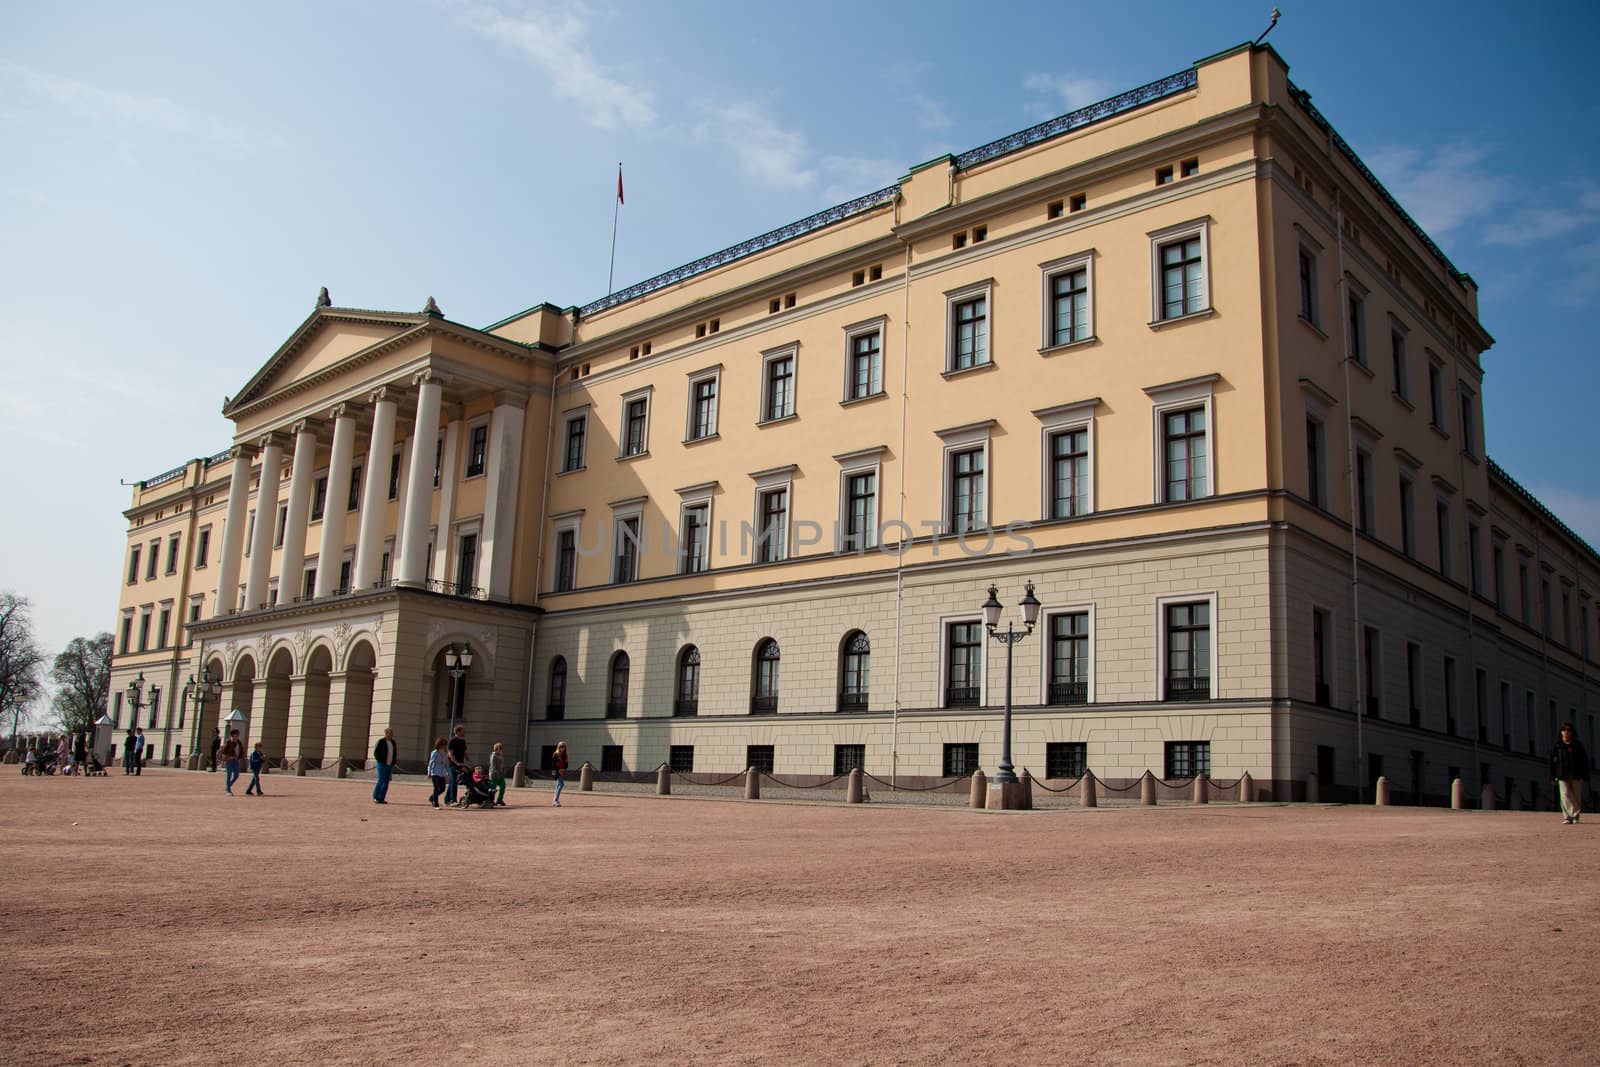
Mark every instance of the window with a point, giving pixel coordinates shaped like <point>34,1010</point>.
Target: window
<point>438,461</point>
<point>635,425</point>
<point>1316,464</point>
<point>863,360</point>
<point>1397,357</point>
<point>574,437</point>
<point>960,759</point>
<point>319,497</point>
<point>249,532</point>
<point>625,561</point>
<point>1505,716</point>
<point>772,525</point>
<point>308,587</point>
<point>764,684</point>
<point>1524,593</point>
<point>162,625</point>
<point>280,527</point>
<point>1164,175</point>
<point>172,553</point>
<point>1366,499</point>
<point>686,693</point>
<point>394,475</point>
<point>963,664</point>
<point>1544,607</point>
<point>477,449</point>
<point>1187,632</point>
<point>1309,309</point>
<point>777,384</point>
<point>611,759</point>
<point>1566,615</point>
<point>1480,704</point>
<point>760,758</point>
<point>855,669</point>
<point>1189,168</point>
<point>1069,311</point>
<point>1467,420</point>
<point>154,561</point>
<point>967,327</point>
<point>695,553</point>
<point>1184,439</point>
<point>1414,683</point>
<point>202,547</point>
<point>155,706</point>
<point>1369,669</point>
<point>1356,312</point>
<point>1065,759</point>
<point>133,563</point>
<point>966,490</point>
<point>566,559</point>
<point>861,504</point>
<point>144,631</point>
<point>344,577</point>
<point>847,758</point>
<point>680,758</point>
<point>1497,557</point>
<point>1408,519</point>
<point>1179,275</point>
<point>617,687</point>
<point>116,711</point>
<point>1069,473</point>
<point>1436,394</point>
<point>1069,658</point>
<point>1077,201</point>
<point>1187,759</point>
<point>1319,657</point>
<point>703,405</point>
<point>1450,696</point>
<point>466,562</point>
<point>1441,514</point>
<point>555,707</point>
<point>1475,555</point>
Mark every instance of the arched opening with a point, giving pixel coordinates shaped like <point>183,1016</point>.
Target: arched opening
<point>312,742</point>
<point>555,707</point>
<point>211,705</point>
<point>355,727</point>
<point>855,671</point>
<point>764,683</point>
<point>450,693</point>
<point>617,689</point>
<point>240,697</point>
<point>686,691</point>
<point>274,732</point>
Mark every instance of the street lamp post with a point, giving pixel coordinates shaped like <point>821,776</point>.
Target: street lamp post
<point>1007,775</point>
<point>136,698</point>
<point>199,690</point>
<point>457,664</point>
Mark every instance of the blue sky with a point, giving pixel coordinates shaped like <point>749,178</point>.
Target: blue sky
<point>180,179</point>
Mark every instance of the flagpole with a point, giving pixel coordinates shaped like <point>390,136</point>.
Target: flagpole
<point>616,207</point>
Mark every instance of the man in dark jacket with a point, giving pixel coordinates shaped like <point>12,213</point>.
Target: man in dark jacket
<point>216,746</point>
<point>1569,766</point>
<point>386,754</point>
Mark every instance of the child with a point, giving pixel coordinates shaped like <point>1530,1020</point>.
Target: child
<point>497,773</point>
<point>257,760</point>
<point>560,764</point>
<point>438,768</point>
<point>478,789</point>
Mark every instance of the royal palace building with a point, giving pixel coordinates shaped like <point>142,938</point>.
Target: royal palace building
<point>1176,359</point>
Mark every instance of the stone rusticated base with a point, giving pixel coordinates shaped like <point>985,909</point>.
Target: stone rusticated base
<point>1006,796</point>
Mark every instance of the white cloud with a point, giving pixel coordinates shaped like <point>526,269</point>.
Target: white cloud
<point>555,40</point>
<point>1534,225</point>
<point>1580,285</point>
<point>930,114</point>
<point>767,153</point>
<point>1579,510</point>
<point>1065,92</point>
<point>1442,187</point>
<point>851,176</point>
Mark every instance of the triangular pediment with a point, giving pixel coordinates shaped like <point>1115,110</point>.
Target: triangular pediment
<point>328,337</point>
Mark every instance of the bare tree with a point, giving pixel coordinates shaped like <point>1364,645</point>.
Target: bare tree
<point>82,678</point>
<point>20,660</point>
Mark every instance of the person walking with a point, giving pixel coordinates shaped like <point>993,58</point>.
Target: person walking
<point>459,767</point>
<point>386,754</point>
<point>497,773</point>
<point>438,767</point>
<point>1569,766</point>
<point>216,744</point>
<point>138,753</point>
<point>232,752</point>
<point>258,759</point>
<point>80,753</point>
<point>559,762</point>
<point>127,752</point>
<point>64,755</point>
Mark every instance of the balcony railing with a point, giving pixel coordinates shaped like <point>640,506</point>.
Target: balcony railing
<point>684,707</point>
<point>1069,692</point>
<point>555,712</point>
<point>1188,687</point>
<point>961,696</point>
<point>767,705</point>
<point>849,701</point>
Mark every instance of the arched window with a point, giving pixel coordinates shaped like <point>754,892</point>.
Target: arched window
<point>764,691</point>
<point>686,700</point>
<point>556,707</point>
<point>855,667</point>
<point>617,693</point>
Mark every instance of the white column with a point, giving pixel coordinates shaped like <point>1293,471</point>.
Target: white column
<point>375,493</point>
<point>334,511</point>
<point>255,590</point>
<point>500,498</point>
<point>292,564</point>
<point>447,494</point>
<point>233,533</point>
<point>413,565</point>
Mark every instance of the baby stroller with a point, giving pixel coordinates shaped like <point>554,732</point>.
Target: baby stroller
<point>45,762</point>
<point>476,794</point>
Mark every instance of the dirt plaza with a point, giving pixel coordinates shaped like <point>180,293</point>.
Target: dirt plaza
<point>155,920</point>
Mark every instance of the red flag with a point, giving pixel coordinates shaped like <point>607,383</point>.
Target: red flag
<point>619,184</point>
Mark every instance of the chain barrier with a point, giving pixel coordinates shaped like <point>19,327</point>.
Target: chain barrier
<point>916,788</point>
<point>683,776</point>
<point>1103,784</point>
<point>775,780</point>
<point>1039,782</point>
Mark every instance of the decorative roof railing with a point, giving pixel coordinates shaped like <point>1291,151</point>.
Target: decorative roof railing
<point>163,478</point>
<point>212,461</point>
<point>1171,85</point>
<point>1303,98</point>
<point>1543,512</point>
<point>767,240</point>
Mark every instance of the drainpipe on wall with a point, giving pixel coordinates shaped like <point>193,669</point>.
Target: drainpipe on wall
<point>900,556</point>
<point>1350,481</point>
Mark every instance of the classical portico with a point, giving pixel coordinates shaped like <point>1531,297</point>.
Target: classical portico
<point>325,615</point>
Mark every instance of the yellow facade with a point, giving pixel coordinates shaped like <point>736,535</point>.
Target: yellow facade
<point>1107,355</point>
